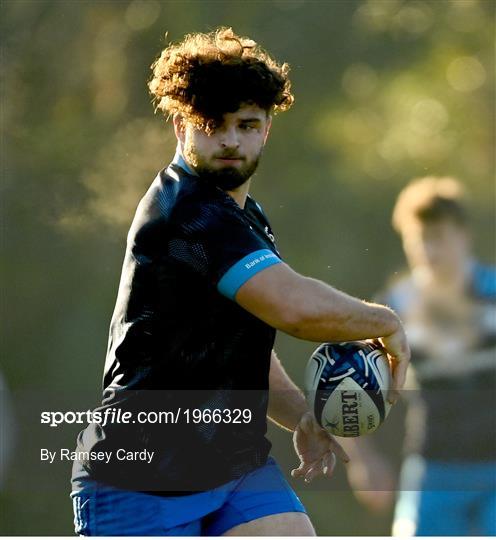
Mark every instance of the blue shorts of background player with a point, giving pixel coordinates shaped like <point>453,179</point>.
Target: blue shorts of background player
<point>446,499</point>
<point>105,511</point>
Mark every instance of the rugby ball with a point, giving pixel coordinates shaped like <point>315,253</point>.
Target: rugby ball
<point>346,386</point>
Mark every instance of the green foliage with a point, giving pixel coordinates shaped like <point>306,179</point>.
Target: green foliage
<point>385,90</point>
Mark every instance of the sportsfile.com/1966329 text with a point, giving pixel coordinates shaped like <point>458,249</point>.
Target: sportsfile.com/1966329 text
<point>119,416</point>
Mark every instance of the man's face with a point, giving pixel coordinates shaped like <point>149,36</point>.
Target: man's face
<point>228,155</point>
<point>440,248</point>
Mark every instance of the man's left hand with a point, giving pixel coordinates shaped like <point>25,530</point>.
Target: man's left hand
<point>316,448</point>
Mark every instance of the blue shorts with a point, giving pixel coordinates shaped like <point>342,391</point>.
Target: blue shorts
<point>101,510</point>
<point>446,499</point>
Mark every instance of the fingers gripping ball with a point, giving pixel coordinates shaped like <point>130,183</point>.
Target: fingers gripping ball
<point>346,385</point>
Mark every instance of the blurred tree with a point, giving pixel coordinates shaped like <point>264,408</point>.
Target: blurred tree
<point>385,90</point>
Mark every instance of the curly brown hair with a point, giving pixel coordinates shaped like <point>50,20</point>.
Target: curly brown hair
<point>207,75</point>
<point>429,200</point>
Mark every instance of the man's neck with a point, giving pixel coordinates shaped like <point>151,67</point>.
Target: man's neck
<point>181,161</point>
<point>239,194</point>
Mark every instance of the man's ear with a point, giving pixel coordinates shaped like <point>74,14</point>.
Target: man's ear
<point>267,127</point>
<point>179,127</point>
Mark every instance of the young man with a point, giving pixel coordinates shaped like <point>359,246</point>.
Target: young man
<point>202,292</point>
<point>448,306</point>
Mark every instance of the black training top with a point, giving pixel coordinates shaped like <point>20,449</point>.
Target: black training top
<point>179,345</point>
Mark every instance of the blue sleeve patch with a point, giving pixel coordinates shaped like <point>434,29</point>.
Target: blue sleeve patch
<point>244,269</point>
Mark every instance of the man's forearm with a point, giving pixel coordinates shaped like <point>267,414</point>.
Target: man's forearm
<point>332,315</point>
<point>286,401</point>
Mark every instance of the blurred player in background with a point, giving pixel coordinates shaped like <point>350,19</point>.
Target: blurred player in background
<point>448,305</point>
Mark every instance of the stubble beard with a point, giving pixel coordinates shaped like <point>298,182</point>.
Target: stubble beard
<point>226,178</point>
